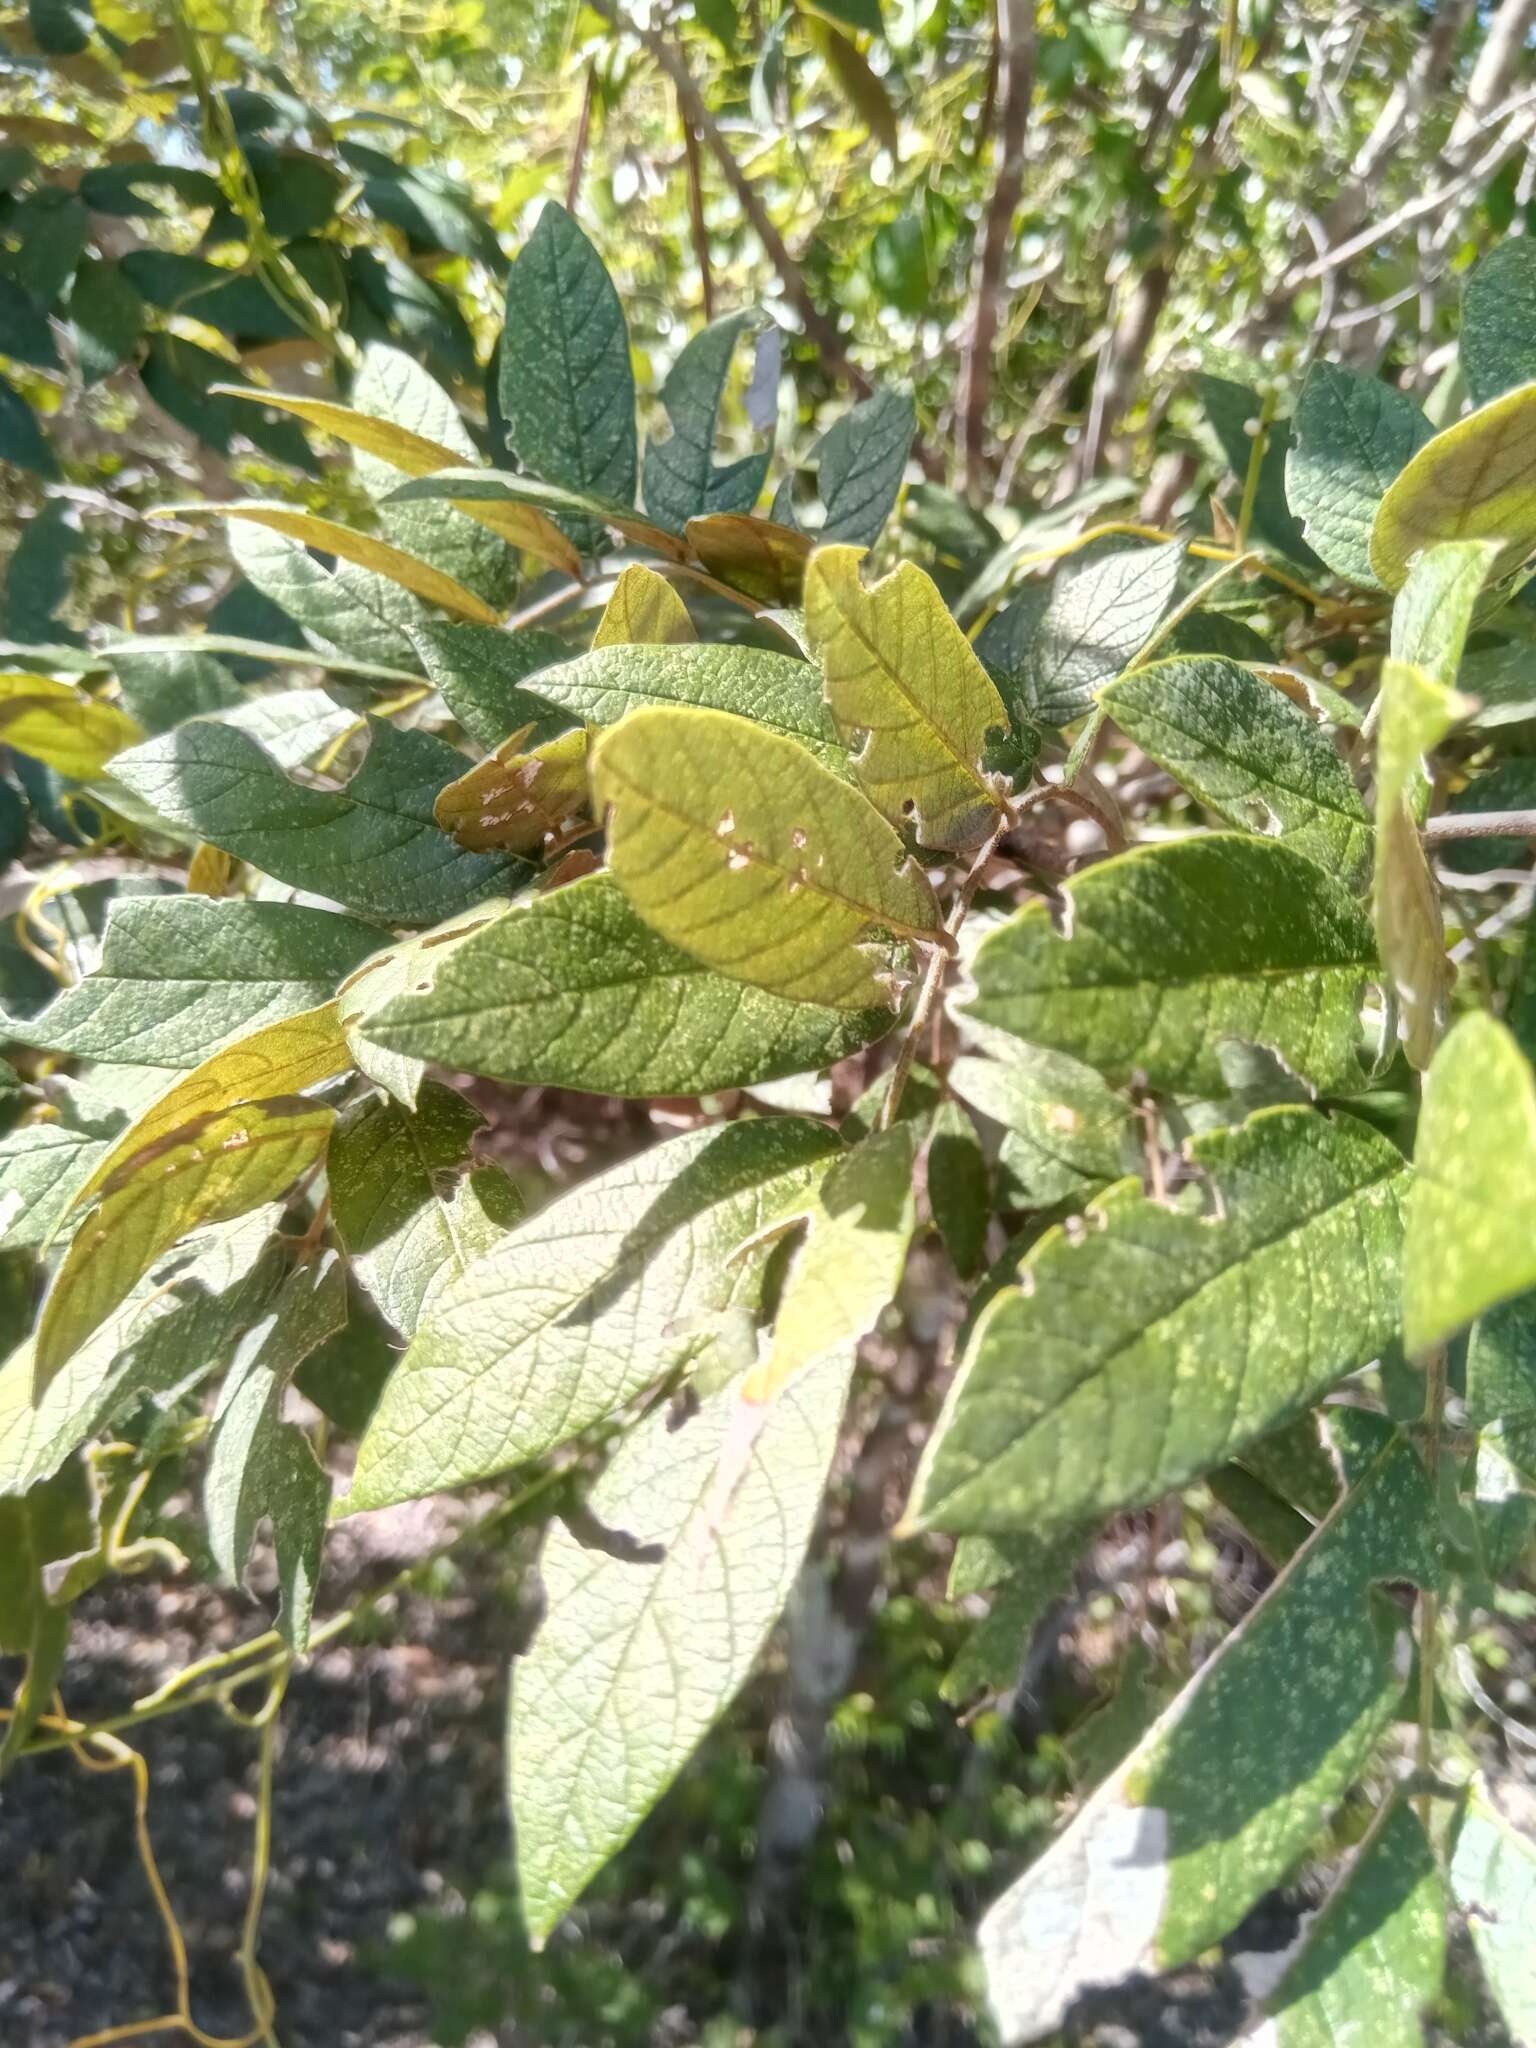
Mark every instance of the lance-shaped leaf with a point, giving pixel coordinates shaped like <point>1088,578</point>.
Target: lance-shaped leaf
<point>1194,1346</point>
<point>1226,1791</point>
<point>1497,345</point>
<point>54,1523</point>
<point>860,1223</point>
<point>574,990</point>
<point>1064,1132</point>
<point>378,557</point>
<point>480,672</point>
<point>582,509</point>
<point>567,393</point>
<point>1350,437</point>
<point>345,612</point>
<point>682,479</point>
<point>276,1059</point>
<point>1370,1965</point>
<point>860,462</point>
<point>409,1205</point>
<point>207,1172</point>
<point>1063,647</point>
<point>178,1325</point>
<point>180,973</point>
<point>1474,481</point>
<point>1248,754</point>
<point>614,1695</point>
<point>519,802</point>
<point>261,1466</point>
<point>583,1306</point>
<point>900,672</point>
<point>764,561</point>
<point>1416,714</point>
<point>60,724</point>
<point>1493,1880</point>
<point>644,611</point>
<point>736,846</point>
<point>1472,1214</point>
<point>1437,605</point>
<point>374,843</point>
<point>1175,952</point>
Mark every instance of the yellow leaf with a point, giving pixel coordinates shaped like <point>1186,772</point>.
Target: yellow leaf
<point>279,1059</point>
<point>516,802</point>
<point>221,1166</point>
<point>210,871</point>
<point>644,611</point>
<point>734,844</point>
<point>1475,481</point>
<point>899,670</point>
<point>58,723</point>
<point>751,555</point>
<point>521,526</point>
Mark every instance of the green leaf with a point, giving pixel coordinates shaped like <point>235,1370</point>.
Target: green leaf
<point>364,552</point>
<point>763,561</point>
<point>1472,1214</point>
<point>1225,1792</point>
<point>1498,321</point>
<point>900,672</point>
<point>860,462</point>
<point>42,1168</point>
<point>409,1206</point>
<point>614,1696</point>
<point>1508,786</point>
<point>374,844</point>
<point>1177,952</point>
<point>863,15</point>
<point>1351,437</point>
<point>1474,481</point>
<point>643,610</point>
<point>107,315</point>
<point>259,1465</point>
<point>161,690</point>
<point>567,392</point>
<point>1032,1576</point>
<point>682,479</point>
<point>735,845</point>
<point>1234,412</point>
<point>1064,1132</point>
<point>1249,754</point>
<point>178,974</point>
<point>1370,1965</point>
<point>588,509</point>
<point>479,671</point>
<point>220,1167</point>
<point>55,1522</point>
<point>581,1308</point>
<point>573,990</point>
<point>1194,1346</point>
<point>60,724</point>
<point>26,334</point>
<point>405,963</point>
<point>1062,647</point>
<point>63,28</point>
<point>1493,1881</point>
<point>1501,1362</point>
<point>959,1188</point>
<point>21,439</point>
<point>1437,606</point>
<point>343,612</point>
<point>530,801</point>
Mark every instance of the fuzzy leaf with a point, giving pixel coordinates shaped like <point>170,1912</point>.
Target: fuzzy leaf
<point>60,724</point>
<point>1178,951</point>
<point>1064,1132</point>
<point>1224,1793</point>
<point>614,1696</point>
<point>344,612</point>
<point>480,673</point>
<point>1248,754</point>
<point>644,611</point>
<point>579,1309</point>
<point>1472,1214</point>
<point>377,557</point>
<point>1351,436</point>
<point>1101,609</point>
<point>1493,1880</point>
<point>1474,481</point>
<point>733,844</point>
<point>1501,1362</point>
<point>1194,1346</point>
<point>517,802</point>
<point>900,672</point>
<point>682,479</point>
<point>1498,321</point>
<point>860,462</point>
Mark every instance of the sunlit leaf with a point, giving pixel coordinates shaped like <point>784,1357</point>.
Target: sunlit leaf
<point>57,722</point>
<point>644,611</point>
<point>364,551</point>
<point>1474,481</point>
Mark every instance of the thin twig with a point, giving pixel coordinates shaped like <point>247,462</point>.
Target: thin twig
<point>1014,43</point>
<point>1480,825</point>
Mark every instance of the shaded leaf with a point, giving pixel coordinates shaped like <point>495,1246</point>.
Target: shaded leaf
<point>1351,436</point>
<point>479,672</point>
<point>1497,344</point>
<point>764,561</point>
<point>365,552</point>
<point>1064,1132</point>
<point>107,315</point>
<point>860,462</point>
<point>959,1188</point>
<point>1493,1880</point>
<point>1031,1578</point>
<point>682,479</point>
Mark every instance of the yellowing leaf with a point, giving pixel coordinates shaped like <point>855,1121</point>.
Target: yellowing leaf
<point>56,722</point>
<point>644,611</point>
<point>735,845</point>
<point>420,578</point>
<point>1475,481</point>
<point>752,555</point>
<point>516,801</point>
<point>219,1167</point>
<point>899,670</point>
<point>522,526</point>
<point>279,1059</point>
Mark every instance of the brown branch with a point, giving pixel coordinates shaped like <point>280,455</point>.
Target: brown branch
<point>696,212</point>
<point>579,149</point>
<point>1015,48</point>
<point>1481,825</point>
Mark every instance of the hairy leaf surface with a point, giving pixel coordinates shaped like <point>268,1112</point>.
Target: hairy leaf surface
<point>1493,1880</point>
<point>682,479</point>
<point>1351,436</point>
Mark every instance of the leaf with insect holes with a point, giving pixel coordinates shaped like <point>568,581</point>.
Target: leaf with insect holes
<point>218,1167</point>
<point>1369,1967</point>
<point>735,846</point>
<point>900,673</point>
<point>1493,1881</point>
<point>615,1695</point>
<point>517,802</point>
<point>60,724</point>
<point>574,990</point>
<point>583,1306</point>
<point>42,1166</point>
<point>682,479</point>
<point>1176,952</point>
<point>409,1205</point>
<point>566,389</point>
<point>644,611</point>
<point>374,843</point>
<point>1195,1346</point>
<point>1247,753</point>
<point>261,1466</point>
<point>1351,436</point>
<point>178,974</point>
<point>1472,1214</point>
<point>1222,1796</point>
<point>1476,480</point>
<point>764,561</point>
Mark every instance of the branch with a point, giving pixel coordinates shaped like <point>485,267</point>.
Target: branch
<point>1481,825</point>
